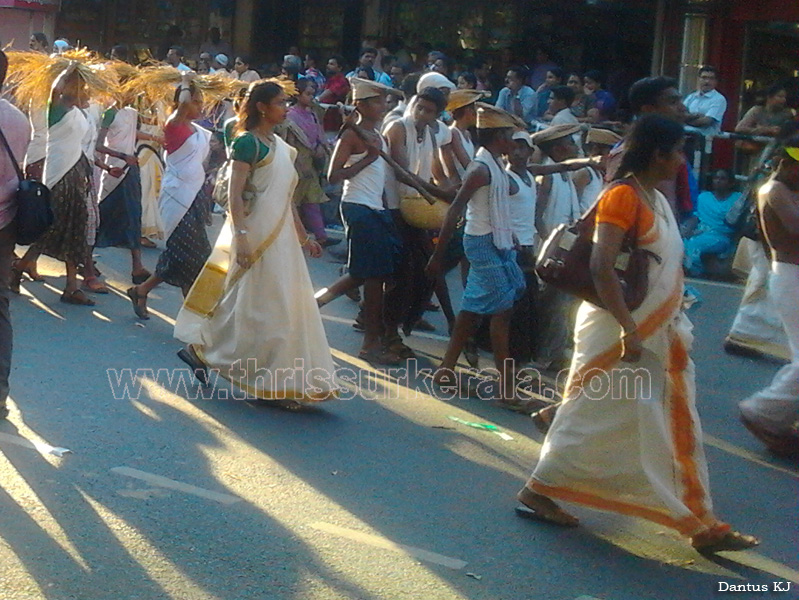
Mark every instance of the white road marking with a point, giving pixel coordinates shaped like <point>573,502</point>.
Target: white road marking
<point>171,484</point>
<point>746,455</point>
<point>41,447</point>
<point>386,544</point>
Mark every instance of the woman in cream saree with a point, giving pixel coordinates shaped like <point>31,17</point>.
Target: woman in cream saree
<point>627,437</point>
<point>251,314</point>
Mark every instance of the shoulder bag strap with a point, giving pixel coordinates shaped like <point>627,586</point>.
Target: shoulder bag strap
<point>7,146</point>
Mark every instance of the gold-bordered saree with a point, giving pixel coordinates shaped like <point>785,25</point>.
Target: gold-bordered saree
<point>260,326</point>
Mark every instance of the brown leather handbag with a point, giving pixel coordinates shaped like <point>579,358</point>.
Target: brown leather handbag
<point>564,261</point>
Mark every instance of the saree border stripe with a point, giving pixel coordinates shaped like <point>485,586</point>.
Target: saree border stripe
<point>688,526</point>
<point>204,296</point>
<point>682,430</point>
<point>263,395</point>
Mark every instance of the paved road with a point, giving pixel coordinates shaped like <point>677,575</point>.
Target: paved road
<point>169,495</point>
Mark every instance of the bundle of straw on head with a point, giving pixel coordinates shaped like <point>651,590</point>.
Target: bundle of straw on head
<point>31,75</point>
<point>159,82</point>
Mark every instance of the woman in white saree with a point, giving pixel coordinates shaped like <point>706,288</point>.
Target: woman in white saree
<point>252,314</point>
<point>634,449</point>
<point>182,210</point>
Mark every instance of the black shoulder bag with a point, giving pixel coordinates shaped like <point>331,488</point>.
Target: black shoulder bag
<point>34,212</point>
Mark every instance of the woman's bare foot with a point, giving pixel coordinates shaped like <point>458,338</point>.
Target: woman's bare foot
<point>545,509</point>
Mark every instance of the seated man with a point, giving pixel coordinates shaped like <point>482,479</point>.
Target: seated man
<point>711,234</point>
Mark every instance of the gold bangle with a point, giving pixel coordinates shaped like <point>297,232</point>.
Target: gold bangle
<point>306,241</point>
<point>628,333</point>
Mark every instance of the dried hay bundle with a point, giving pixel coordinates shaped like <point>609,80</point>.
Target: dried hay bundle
<point>31,75</point>
<point>158,84</point>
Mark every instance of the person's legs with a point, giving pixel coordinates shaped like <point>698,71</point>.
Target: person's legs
<point>704,243</point>
<point>339,287</point>
<point>500,327</point>
<point>312,215</point>
<point>373,314</point>
<point>777,407</point>
<point>465,324</point>
<point>137,268</point>
<point>6,334</point>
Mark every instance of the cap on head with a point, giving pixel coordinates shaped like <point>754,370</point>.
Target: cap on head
<point>604,137</point>
<point>524,136</point>
<point>363,89</point>
<point>460,98</point>
<point>435,80</point>
<point>554,133</point>
<point>491,117</point>
<point>222,59</point>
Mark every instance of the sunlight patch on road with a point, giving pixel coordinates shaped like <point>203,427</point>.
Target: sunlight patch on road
<point>378,541</point>
<point>173,581</point>
<point>41,305</point>
<point>15,485</point>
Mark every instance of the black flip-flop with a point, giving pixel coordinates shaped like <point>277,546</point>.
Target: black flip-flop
<point>141,312</point>
<point>139,279</point>
<point>199,369</point>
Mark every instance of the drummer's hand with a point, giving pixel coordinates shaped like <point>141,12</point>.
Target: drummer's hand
<point>116,172</point>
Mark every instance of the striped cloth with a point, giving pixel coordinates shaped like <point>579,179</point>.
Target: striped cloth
<point>495,281</point>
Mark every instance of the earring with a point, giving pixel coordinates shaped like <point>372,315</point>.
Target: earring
<point>263,114</point>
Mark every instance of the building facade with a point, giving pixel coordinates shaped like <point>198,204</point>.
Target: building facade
<point>21,18</point>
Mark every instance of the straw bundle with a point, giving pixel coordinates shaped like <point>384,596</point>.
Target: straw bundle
<point>158,84</point>
<point>31,75</point>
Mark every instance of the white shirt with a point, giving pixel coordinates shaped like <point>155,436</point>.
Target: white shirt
<point>478,213</point>
<point>366,188</point>
<point>712,104</point>
<point>522,209</point>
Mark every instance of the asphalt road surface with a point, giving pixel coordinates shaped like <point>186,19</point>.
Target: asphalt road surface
<point>161,493</point>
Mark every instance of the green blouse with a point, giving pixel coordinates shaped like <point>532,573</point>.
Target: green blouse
<point>248,148</point>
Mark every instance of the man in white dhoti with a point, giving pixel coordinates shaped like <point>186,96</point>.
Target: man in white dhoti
<point>772,413</point>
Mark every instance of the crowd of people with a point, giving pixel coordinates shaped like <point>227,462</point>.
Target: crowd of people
<point>435,176</point>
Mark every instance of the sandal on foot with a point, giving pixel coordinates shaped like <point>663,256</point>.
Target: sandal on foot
<point>540,508</point>
<point>543,418</point>
<point>140,278</point>
<point>396,345</point>
<point>732,541</point>
<point>147,243</point>
<point>197,366</point>
<point>135,298</point>
<point>94,285</point>
<point>76,297</point>
<point>525,406</point>
<point>379,356</point>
